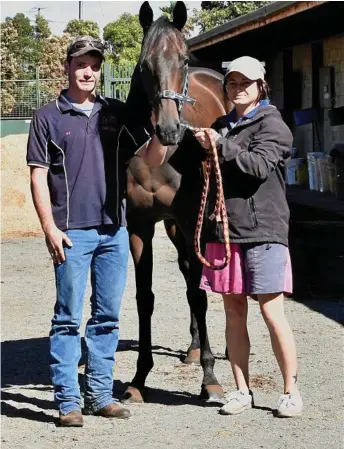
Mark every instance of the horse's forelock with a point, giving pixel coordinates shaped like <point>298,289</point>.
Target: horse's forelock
<point>162,27</point>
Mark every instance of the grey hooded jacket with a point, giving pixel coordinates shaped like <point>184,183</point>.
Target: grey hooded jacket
<point>253,157</point>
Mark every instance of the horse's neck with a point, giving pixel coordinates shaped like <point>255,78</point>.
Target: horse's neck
<point>137,101</point>
<point>206,87</point>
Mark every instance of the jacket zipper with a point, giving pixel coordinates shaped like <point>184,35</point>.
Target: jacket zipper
<point>254,212</point>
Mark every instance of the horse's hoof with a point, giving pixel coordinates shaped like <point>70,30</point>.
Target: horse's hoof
<point>132,395</point>
<point>212,394</point>
<point>193,357</point>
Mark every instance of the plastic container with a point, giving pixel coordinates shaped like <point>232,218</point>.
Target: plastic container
<point>313,169</point>
<point>293,171</point>
<point>325,169</point>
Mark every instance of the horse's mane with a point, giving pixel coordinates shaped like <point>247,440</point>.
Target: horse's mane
<point>161,27</point>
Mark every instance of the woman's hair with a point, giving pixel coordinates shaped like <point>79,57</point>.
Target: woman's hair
<point>263,88</point>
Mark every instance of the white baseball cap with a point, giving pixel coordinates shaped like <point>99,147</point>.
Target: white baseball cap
<point>249,67</point>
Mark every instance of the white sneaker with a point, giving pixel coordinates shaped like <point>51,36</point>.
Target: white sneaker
<point>289,405</point>
<point>237,402</point>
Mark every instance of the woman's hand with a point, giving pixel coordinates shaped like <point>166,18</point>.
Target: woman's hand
<point>203,138</point>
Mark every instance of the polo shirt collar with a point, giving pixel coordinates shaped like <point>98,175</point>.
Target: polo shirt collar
<point>63,105</point>
<point>232,118</point>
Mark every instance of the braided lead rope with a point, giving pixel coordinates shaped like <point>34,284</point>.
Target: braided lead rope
<point>219,213</point>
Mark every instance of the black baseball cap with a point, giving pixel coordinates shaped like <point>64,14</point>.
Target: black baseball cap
<point>85,44</point>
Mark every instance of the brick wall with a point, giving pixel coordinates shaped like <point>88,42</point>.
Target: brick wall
<point>334,57</point>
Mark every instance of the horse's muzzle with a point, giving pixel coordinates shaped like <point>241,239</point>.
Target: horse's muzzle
<point>168,135</point>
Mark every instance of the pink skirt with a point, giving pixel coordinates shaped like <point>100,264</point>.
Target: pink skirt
<point>254,269</point>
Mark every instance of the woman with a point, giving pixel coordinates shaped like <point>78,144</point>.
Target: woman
<point>253,145</point>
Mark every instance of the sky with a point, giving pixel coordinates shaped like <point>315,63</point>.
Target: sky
<point>60,13</point>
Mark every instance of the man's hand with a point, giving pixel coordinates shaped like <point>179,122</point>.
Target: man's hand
<point>203,138</point>
<point>54,239</point>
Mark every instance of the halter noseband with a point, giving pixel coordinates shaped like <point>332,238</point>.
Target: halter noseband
<point>180,99</point>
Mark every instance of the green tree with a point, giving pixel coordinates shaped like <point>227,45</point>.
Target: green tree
<point>41,28</point>
<point>24,47</point>
<point>54,57</point>
<point>23,26</point>
<point>9,66</point>
<point>216,13</point>
<point>21,46</point>
<point>168,11</point>
<point>124,37</point>
<point>9,37</point>
<point>82,28</point>
<point>41,34</point>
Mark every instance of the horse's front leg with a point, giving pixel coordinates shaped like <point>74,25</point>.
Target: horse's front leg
<point>177,238</point>
<point>211,390</point>
<point>142,253</point>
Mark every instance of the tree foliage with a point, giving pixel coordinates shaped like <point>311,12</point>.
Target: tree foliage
<point>82,28</point>
<point>123,38</point>
<point>168,12</point>
<point>41,34</point>
<point>216,13</point>
<point>25,51</point>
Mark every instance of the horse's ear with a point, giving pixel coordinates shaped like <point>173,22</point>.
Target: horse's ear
<point>146,15</point>
<point>180,15</point>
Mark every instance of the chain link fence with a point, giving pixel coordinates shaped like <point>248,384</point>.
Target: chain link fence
<point>21,98</point>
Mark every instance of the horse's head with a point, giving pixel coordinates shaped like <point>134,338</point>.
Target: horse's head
<point>164,69</point>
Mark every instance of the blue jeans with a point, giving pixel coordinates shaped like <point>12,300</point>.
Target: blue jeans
<point>105,250</point>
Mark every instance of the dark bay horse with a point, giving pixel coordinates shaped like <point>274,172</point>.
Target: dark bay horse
<point>163,81</point>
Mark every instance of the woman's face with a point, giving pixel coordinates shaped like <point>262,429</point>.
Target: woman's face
<point>241,90</point>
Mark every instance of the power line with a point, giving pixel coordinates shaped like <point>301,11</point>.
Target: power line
<point>101,8</point>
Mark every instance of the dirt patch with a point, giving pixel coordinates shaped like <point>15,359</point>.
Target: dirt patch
<point>263,382</point>
<point>18,217</point>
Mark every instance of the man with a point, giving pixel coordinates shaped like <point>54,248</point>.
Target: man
<point>78,189</point>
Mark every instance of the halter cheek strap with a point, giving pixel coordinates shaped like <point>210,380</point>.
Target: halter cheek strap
<point>180,99</point>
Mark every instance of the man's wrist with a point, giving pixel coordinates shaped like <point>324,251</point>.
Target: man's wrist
<point>48,227</point>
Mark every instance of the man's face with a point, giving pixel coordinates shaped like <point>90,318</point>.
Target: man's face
<point>84,72</point>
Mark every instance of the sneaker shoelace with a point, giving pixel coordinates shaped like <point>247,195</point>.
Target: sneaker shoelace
<point>235,395</point>
<point>287,400</point>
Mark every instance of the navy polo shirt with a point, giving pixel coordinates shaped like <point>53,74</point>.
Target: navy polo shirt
<point>86,160</point>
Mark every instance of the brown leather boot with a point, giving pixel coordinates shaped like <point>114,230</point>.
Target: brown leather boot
<point>71,419</point>
<point>113,411</point>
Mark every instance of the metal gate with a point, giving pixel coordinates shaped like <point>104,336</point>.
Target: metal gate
<point>116,80</point>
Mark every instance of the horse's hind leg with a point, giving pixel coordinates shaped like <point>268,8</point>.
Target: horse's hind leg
<point>142,253</point>
<point>175,235</point>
